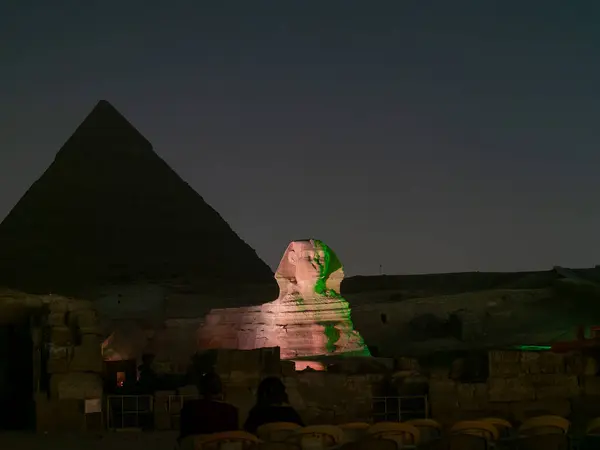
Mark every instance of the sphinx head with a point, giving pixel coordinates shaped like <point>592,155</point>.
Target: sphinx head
<point>309,266</point>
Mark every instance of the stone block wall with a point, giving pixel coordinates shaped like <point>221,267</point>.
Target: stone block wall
<point>520,385</point>
<point>319,397</point>
<point>74,363</point>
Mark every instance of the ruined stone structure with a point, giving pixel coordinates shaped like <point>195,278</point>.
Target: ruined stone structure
<point>55,364</point>
<point>519,385</point>
<point>309,317</point>
<point>109,214</point>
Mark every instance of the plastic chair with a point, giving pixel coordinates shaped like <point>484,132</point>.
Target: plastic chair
<point>593,428</point>
<point>276,431</point>
<point>465,442</point>
<point>317,437</point>
<point>403,433</point>
<point>276,446</point>
<point>503,426</point>
<point>553,441</point>
<point>476,428</point>
<point>371,444</point>
<point>545,425</point>
<point>228,440</point>
<point>428,428</point>
<point>354,431</point>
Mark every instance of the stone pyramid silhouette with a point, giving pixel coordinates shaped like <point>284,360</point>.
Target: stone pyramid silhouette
<point>110,210</point>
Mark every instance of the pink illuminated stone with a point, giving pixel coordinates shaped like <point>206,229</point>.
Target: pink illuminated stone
<point>309,317</point>
<point>314,365</point>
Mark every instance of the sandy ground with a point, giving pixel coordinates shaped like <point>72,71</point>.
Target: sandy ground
<point>125,440</point>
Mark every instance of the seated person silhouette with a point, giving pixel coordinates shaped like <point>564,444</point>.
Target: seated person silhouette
<point>272,405</point>
<point>208,414</point>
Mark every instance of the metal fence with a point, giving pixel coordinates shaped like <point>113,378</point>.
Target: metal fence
<point>130,411</point>
<point>399,409</point>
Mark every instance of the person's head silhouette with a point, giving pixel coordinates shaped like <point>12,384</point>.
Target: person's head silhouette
<point>271,391</point>
<point>210,386</point>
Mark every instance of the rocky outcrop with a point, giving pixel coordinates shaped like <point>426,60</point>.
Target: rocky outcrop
<point>110,210</point>
<point>309,317</point>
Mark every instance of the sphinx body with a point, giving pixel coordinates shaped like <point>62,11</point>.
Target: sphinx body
<point>309,318</point>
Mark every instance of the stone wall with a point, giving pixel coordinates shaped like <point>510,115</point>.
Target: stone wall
<point>74,364</point>
<point>487,319</point>
<point>319,397</point>
<point>520,385</point>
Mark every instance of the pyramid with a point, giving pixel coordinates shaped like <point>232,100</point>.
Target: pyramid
<point>110,210</point>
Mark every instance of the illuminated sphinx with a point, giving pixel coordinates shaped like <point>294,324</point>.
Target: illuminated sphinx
<point>309,318</point>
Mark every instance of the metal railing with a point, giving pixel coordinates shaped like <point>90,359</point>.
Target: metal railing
<point>129,411</point>
<point>399,409</point>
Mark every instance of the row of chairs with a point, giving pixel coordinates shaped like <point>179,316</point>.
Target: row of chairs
<point>547,432</point>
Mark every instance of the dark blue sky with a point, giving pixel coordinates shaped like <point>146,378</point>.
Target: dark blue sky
<point>421,135</point>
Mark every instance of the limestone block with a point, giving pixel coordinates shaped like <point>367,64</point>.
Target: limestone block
<point>53,415</point>
<point>472,396</point>
<point>441,407</point>
<point>288,368</point>
<point>552,363</point>
<point>37,337</point>
<point>512,389</point>
<point>75,385</point>
<point>241,397</point>
<point>457,369</point>
<point>357,384</point>
<point>59,359</point>
<point>504,356</point>
<point>189,390</point>
<point>84,318</point>
<point>443,396</point>
<point>442,387</point>
<point>294,396</point>
<point>270,359</point>
<point>590,366</point>
<point>238,360</point>
<point>162,420</point>
<point>87,357</point>
<point>504,363</point>
<point>591,385</point>
<point>92,341</point>
<point>56,319</point>
<point>78,305</point>
<point>439,373</point>
<point>407,364</point>
<point>163,367</point>
<point>412,385</point>
<point>57,304</point>
<point>61,336</point>
<point>94,330</point>
<point>574,364</point>
<point>530,362</point>
<point>549,386</point>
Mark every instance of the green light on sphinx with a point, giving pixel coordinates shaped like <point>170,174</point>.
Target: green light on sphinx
<point>327,265</point>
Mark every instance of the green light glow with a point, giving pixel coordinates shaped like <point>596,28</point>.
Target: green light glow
<point>533,348</point>
<point>328,265</point>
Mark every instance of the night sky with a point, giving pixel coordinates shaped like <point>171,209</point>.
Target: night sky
<point>425,136</point>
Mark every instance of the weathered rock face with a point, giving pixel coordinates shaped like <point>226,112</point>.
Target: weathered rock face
<point>309,317</point>
<point>110,210</point>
